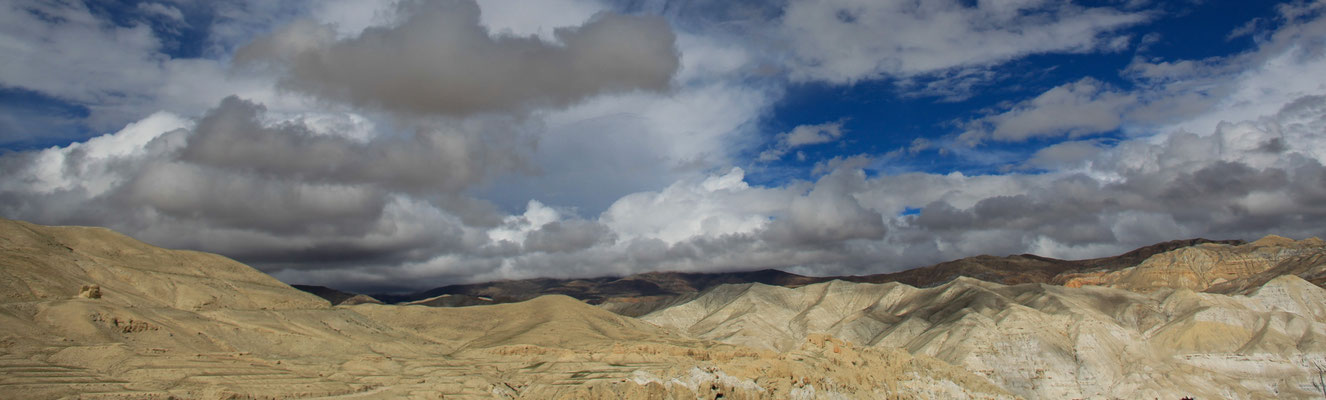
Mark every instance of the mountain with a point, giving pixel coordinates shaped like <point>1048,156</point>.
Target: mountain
<point>1045,341</point>
<point>336,297</point>
<point>598,290</point>
<point>1217,267</point>
<point>631,296</point>
<point>1026,268</point>
<point>89,313</point>
<point>640,294</point>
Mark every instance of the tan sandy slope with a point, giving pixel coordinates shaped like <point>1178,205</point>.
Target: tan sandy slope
<point>192,325</point>
<point>1046,341</point>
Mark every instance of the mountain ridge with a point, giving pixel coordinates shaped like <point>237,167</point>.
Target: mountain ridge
<point>1046,341</point>
<point>637,294</point>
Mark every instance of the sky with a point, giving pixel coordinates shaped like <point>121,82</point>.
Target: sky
<point>391,146</point>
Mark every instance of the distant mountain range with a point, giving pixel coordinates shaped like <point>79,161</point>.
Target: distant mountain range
<point>641,293</point>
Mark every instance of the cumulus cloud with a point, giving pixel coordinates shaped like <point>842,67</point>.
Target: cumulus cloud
<point>270,190</point>
<point>844,41</point>
<point>233,136</point>
<point>829,213</point>
<point>1242,180</point>
<point>441,60</point>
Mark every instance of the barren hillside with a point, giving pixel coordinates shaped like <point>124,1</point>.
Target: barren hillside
<point>1045,341</point>
<point>175,324</point>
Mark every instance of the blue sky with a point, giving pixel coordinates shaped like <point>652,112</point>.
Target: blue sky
<point>879,116</point>
<point>384,145</point>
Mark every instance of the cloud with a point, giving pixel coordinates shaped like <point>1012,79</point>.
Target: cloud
<point>567,236</point>
<point>1076,109</point>
<point>1172,95</point>
<point>828,214</point>
<point>233,136</point>
<point>1065,155</point>
<point>845,41</point>
<point>169,12</point>
<point>803,135</point>
<point>593,153</point>
<point>117,70</point>
<point>114,63</point>
<point>262,190</point>
<point>718,205</point>
<point>440,60</point>
<point>1197,95</point>
<point>1242,180</point>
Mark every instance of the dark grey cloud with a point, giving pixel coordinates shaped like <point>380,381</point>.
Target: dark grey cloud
<point>227,198</point>
<point>233,136</point>
<point>440,60</point>
<point>567,236</point>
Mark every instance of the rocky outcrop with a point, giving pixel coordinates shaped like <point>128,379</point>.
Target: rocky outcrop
<point>90,292</point>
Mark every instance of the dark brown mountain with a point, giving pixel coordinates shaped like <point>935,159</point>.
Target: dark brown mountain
<point>337,297</point>
<point>641,293</point>
<point>1025,268</point>
<point>597,290</point>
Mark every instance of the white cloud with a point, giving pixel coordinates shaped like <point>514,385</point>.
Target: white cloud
<point>109,61</point>
<point>844,41</point>
<point>174,14</point>
<point>1076,109</point>
<point>800,136</point>
<point>716,206</point>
